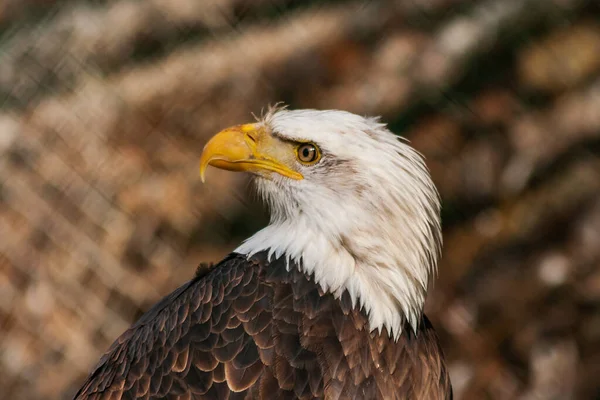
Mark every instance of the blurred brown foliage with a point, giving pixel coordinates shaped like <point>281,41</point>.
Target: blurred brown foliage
<point>106,105</point>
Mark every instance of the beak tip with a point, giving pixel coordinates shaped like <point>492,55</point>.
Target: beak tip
<point>203,173</point>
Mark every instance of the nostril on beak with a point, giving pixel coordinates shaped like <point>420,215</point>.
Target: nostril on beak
<point>251,136</point>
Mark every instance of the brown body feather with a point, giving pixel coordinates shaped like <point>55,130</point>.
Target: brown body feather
<point>250,329</point>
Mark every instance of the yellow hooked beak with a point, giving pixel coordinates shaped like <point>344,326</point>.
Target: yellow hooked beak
<point>248,148</point>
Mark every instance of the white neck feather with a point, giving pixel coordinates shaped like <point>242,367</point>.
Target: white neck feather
<point>377,237</point>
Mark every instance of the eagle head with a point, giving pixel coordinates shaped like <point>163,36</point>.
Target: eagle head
<point>351,204</point>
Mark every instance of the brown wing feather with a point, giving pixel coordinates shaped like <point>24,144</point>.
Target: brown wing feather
<point>174,349</point>
<point>252,329</point>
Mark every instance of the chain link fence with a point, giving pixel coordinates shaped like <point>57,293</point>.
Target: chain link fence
<point>105,106</point>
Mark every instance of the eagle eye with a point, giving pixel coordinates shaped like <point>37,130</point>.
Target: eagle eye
<point>308,153</point>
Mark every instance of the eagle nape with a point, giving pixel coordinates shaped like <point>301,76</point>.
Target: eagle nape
<point>326,302</point>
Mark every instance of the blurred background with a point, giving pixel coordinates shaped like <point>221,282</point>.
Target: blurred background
<point>105,106</point>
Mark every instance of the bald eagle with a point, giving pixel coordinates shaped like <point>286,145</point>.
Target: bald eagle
<point>325,302</point>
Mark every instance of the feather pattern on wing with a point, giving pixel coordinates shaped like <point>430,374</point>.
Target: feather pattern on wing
<point>251,329</point>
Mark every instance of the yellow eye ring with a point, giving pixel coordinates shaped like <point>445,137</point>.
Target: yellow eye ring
<point>308,153</point>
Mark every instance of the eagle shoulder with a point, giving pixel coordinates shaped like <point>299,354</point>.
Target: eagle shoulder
<point>254,328</point>
<point>187,343</point>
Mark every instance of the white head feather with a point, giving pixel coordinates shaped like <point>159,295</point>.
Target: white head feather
<point>365,218</point>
